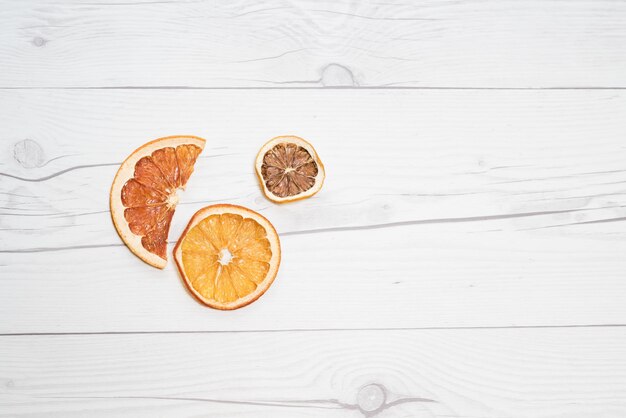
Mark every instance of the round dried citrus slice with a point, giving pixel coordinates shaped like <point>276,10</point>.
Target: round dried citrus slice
<point>228,256</point>
<point>143,195</point>
<point>289,169</point>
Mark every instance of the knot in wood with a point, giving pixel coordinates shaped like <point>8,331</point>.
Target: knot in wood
<point>335,75</point>
<point>39,41</point>
<point>371,397</point>
<point>28,153</point>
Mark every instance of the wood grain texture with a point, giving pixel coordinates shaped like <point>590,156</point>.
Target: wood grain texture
<point>475,154</point>
<point>440,209</point>
<point>540,373</point>
<point>389,278</point>
<point>510,44</point>
<point>533,159</point>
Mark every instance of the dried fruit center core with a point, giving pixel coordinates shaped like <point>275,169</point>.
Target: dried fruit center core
<point>288,170</point>
<point>172,199</point>
<point>225,256</point>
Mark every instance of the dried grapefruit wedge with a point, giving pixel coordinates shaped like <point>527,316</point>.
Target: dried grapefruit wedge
<point>143,195</point>
<point>228,256</point>
<point>289,169</point>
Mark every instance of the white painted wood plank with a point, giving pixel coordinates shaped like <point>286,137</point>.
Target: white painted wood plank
<point>531,43</point>
<point>539,373</point>
<point>483,208</point>
<point>392,156</point>
<point>419,276</point>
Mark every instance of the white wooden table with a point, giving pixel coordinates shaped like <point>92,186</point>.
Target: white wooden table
<point>465,258</point>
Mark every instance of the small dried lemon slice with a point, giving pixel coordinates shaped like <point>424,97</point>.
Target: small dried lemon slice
<point>289,169</point>
<point>228,256</point>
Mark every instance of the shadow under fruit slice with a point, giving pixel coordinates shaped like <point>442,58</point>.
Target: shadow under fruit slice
<point>143,195</point>
<point>289,169</point>
<point>228,256</point>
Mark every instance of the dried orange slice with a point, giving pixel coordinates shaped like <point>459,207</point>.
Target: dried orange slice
<point>228,256</point>
<point>289,169</point>
<point>143,195</point>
